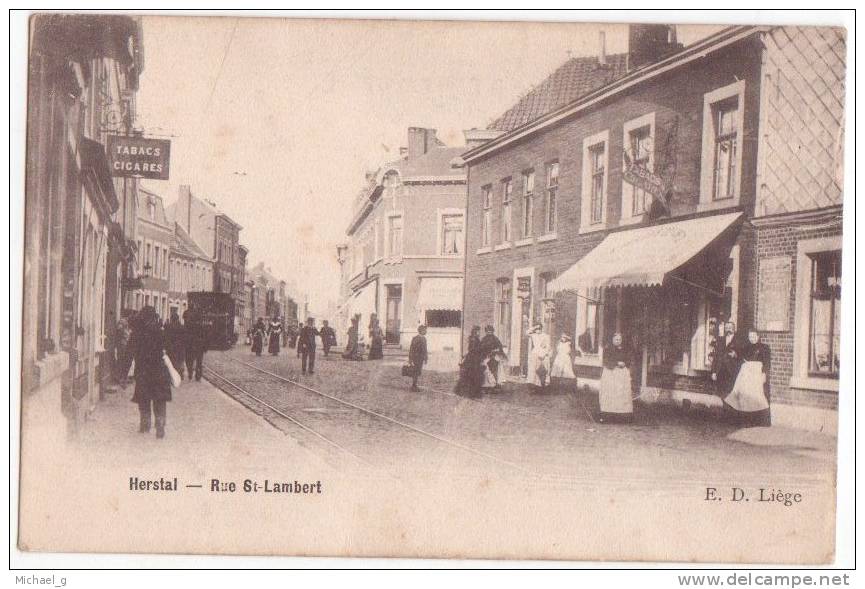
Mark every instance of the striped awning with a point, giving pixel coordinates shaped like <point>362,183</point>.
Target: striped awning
<point>643,256</point>
<point>438,293</point>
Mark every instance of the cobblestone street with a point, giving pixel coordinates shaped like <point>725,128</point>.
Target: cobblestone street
<point>552,435</point>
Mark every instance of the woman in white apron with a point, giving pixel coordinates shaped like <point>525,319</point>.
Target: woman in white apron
<point>749,399</point>
<point>614,397</point>
<point>563,362</point>
<point>540,351</point>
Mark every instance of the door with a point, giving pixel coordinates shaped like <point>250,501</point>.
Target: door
<point>393,313</point>
<point>523,320</point>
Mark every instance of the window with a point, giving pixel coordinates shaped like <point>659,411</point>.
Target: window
<point>593,203</point>
<point>720,172</point>
<point>589,321</point>
<point>394,235</point>
<point>528,190</point>
<point>546,305</point>
<point>390,182</point>
<point>503,310</point>
<point>725,118</point>
<point>824,324</point>
<point>507,192</point>
<point>452,235</point>
<point>596,201</point>
<point>165,263</point>
<point>550,200</point>
<point>148,262</point>
<point>486,221</point>
<point>640,148</point>
<point>443,318</point>
<point>151,209</point>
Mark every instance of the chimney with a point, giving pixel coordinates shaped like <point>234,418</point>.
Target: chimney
<point>420,140</point>
<point>648,43</point>
<point>602,49</point>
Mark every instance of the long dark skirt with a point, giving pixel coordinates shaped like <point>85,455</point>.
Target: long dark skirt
<point>471,377</point>
<point>273,344</point>
<point>376,350</point>
<point>257,344</point>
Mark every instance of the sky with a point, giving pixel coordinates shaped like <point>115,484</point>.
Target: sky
<point>277,120</point>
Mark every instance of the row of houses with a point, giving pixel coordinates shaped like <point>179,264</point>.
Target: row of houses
<point>657,193</point>
<point>99,246</point>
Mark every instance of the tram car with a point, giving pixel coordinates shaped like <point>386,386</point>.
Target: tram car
<point>217,311</point>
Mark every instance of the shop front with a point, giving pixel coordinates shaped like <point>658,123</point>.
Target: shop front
<point>668,289</point>
<point>439,307</point>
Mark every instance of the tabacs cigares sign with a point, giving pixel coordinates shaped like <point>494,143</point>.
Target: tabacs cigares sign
<point>138,157</point>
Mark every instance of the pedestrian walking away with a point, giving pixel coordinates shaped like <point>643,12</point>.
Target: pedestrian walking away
<point>352,346</point>
<point>417,355</point>
<point>376,339</point>
<point>259,331</point>
<point>328,337</point>
<point>749,398</point>
<point>306,346</point>
<point>472,369</point>
<point>175,342</point>
<point>614,396</point>
<point>274,332</point>
<point>152,381</point>
<point>193,322</point>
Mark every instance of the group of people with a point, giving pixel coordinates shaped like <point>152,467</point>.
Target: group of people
<point>355,346</point>
<point>741,374</point>
<point>305,342</point>
<point>481,367</point>
<point>145,341</point>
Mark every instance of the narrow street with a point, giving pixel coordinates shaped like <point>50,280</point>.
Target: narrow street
<point>361,414</point>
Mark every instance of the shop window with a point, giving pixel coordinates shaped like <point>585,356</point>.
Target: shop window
<point>589,322</point>
<point>487,219</point>
<point>824,324</point>
<point>546,310</point>
<point>507,193</point>
<point>443,318</point>
<point>528,194</point>
<point>550,206</point>
<point>503,310</point>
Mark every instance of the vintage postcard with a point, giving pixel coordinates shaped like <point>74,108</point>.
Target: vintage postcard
<point>432,289</point>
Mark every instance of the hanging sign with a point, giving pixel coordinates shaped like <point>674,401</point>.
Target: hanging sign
<point>138,157</point>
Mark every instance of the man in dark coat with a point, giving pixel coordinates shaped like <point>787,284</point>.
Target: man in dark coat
<point>492,346</point>
<point>195,344</point>
<point>152,381</point>
<point>728,358</point>
<point>175,342</point>
<point>328,337</point>
<point>306,346</point>
<point>417,355</point>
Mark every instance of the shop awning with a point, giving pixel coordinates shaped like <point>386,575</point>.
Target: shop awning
<point>440,294</point>
<point>643,256</point>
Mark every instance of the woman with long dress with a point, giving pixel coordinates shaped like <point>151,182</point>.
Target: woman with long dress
<point>749,400</point>
<point>352,345</point>
<point>274,333</point>
<point>615,389</point>
<point>258,332</point>
<point>376,341</point>
<point>472,368</point>
<point>493,359</point>
<point>563,362</point>
<point>540,350</point>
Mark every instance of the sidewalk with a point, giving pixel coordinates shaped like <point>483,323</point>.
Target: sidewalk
<point>206,431</point>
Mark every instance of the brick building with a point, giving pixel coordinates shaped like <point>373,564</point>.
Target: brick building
<point>403,260</point>
<point>269,296</point>
<point>217,235</point>
<point>189,269</point>
<point>619,194</point>
<point>154,239</point>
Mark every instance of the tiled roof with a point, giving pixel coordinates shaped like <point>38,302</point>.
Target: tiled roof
<point>576,77</point>
<point>183,244</point>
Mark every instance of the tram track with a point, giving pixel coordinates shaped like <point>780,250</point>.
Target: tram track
<point>289,412</point>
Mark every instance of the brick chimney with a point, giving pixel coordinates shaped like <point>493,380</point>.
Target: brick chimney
<point>183,210</point>
<point>420,141</point>
<point>648,43</point>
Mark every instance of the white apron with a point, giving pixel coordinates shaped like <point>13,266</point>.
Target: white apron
<point>747,394</point>
<point>539,355</point>
<point>615,391</point>
<point>562,365</point>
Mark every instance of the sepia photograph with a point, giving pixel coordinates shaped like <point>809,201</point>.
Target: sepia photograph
<point>427,288</point>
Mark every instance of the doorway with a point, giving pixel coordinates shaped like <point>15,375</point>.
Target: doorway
<point>393,313</point>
